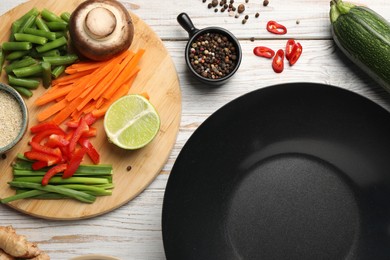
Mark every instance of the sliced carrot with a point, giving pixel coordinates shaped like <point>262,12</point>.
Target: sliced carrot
<point>69,78</point>
<point>66,112</point>
<point>53,95</point>
<point>52,110</point>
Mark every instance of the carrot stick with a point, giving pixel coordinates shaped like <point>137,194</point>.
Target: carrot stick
<point>68,78</point>
<point>53,95</point>
<point>65,113</point>
<point>50,111</point>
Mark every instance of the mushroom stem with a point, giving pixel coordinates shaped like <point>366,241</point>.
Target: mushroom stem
<point>100,22</point>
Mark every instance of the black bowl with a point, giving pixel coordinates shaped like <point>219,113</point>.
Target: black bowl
<point>185,21</point>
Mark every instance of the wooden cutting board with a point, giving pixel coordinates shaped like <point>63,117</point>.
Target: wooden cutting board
<point>157,77</point>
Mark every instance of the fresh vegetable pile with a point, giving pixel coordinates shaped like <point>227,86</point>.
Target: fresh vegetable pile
<point>37,47</point>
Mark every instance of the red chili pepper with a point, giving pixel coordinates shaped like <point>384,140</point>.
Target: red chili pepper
<point>40,156</point>
<point>295,53</point>
<point>53,171</point>
<point>278,61</point>
<point>74,163</point>
<point>276,28</point>
<point>78,133</point>
<point>91,151</point>
<point>263,51</point>
<point>289,47</point>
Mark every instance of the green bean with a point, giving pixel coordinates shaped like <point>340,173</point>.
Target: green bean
<point>27,83</point>
<point>50,16</point>
<point>2,58</point>
<point>61,60</point>
<point>23,195</point>
<point>27,61</point>
<point>17,46</point>
<point>46,74</point>
<point>23,91</point>
<point>49,35</point>
<point>52,45</point>
<point>34,11</point>
<point>57,26</point>
<point>41,24</point>
<point>27,71</point>
<point>23,37</point>
<point>14,29</point>
<point>57,71</point>
<point>78,195</point>
<point>16,55</point>
<point>65,16</point>
<point>51,53</point>
<point>27,23</point>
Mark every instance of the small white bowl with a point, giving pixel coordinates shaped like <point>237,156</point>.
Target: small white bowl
<point>11,91</point>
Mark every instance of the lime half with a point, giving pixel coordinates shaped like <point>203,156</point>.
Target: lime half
<point>131,122</point>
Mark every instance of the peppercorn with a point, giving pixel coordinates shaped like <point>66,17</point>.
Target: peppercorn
<point>246,1</point>
<point>244,21</point>
<point>209,5</point>
<point>246,17</point>
<point>265,2</point>
<point>222,10</point>
<point>212,55</point>
<point>257,15</point>
<point>216,10</point>
<point>241,8</point>
<point>214,3</point>
<point>204,1</point>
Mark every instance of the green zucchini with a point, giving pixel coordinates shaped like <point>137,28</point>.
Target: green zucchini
<point>364,37</point>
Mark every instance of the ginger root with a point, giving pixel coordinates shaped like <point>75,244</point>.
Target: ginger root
<point>5,256</point>
<point>17,246</point>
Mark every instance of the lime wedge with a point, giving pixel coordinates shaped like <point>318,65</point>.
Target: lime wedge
<point>131,122</point>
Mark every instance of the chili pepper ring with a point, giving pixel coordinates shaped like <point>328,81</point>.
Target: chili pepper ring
<point>212,54</point>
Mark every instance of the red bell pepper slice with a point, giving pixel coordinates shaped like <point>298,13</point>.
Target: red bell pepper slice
<point>56,141</point>
<point>295,53</point>
<point>276,28</point>
<point>47,150</point>
<point>278,61</point>
<point>53,171</point>
<point>263,51</point>
<point>289,47</point>
<point>46,133</point>
<point>43,126</point>
<point>40,156</point>
<point>91,151</point>
<point>74,162</point>
<point>38,165</point>
<point>91,132</point>
<point>77,134</point>
<point>89,119</point>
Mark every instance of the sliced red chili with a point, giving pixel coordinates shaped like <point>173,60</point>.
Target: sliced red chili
<point>295,53</point>
<point>276,28</point>
<point>78,133</point>
<point>278,61</point>
<point>289,47</point>
<point>263,51</point>
<point>53,171</point>
<point>45,149</point>
<point>74,163</point>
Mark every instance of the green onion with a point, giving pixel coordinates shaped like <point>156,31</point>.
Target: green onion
<point>27,71</point>
<point>27,83</point>
<point>52,45</point>
<point>78,195</point>
<point>23,195</point>
<point>60,180</point>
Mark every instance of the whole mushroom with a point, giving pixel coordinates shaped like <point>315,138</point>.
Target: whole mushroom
<point>101,29</point>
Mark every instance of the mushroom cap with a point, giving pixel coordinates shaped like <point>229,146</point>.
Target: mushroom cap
<point>101,29</point>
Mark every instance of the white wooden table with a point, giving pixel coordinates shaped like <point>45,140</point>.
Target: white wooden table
<point>134,230</point>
